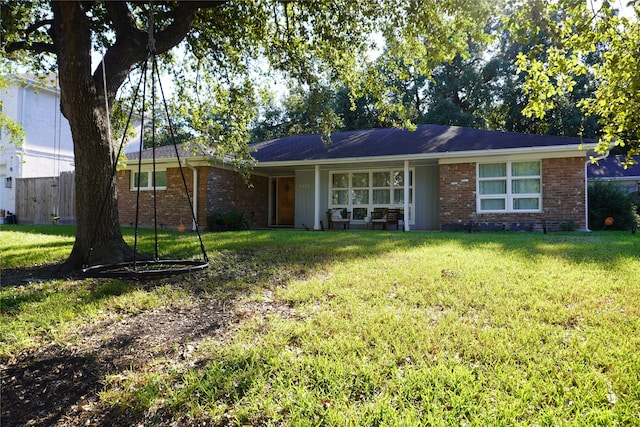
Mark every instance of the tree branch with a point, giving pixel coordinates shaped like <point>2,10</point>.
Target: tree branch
<point>33,27</point>
<point>35,47</point>
<point>130,47</point>
<point>183,16</point>
<point>123,22</point>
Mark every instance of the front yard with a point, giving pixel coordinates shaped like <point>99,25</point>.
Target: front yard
<point>330,328</point>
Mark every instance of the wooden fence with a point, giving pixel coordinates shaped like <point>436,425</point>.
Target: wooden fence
<point>46,200</point>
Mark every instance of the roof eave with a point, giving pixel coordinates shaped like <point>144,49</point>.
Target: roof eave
<point>193,161</point>
<point>445,156</point>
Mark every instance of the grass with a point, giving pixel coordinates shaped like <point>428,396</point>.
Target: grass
<point>374,328</point>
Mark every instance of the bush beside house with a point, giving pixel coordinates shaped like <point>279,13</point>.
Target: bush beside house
<point>607,199</point>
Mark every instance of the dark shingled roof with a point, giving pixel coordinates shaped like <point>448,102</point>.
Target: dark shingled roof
<point>611,167</point>
<point>426,139</point>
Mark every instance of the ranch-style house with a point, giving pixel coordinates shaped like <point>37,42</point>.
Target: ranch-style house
<point>436,178</point>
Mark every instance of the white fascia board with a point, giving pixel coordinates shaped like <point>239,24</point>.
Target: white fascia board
<point>554,152</point>
<point>633,178</point>
<point>47,153</point>
<point>576,150</point>
<point>168,162</point>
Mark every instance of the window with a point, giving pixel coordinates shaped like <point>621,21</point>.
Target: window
<point>8,183</point>
<point>145,183</point>
<point>360,192</point>
<point>509,187</point>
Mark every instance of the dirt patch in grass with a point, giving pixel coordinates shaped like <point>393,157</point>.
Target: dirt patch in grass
<point>59,384</point>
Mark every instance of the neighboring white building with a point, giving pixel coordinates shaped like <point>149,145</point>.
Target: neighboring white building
<point>47,147</point>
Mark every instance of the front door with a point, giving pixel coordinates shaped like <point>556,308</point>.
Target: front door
<point>286,191</point>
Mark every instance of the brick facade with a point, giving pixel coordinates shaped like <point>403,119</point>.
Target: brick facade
<point>217,189</point>
<point>563,199</point>
<point>227,189</point>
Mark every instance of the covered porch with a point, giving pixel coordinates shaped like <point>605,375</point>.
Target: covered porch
<point>362,189</point>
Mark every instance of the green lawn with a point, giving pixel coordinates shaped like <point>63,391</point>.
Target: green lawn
<point>356,328</point>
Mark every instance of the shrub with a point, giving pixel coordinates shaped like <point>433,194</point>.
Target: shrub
<point>568,226</point>
<point>607,199</point>
<point>227,221</point>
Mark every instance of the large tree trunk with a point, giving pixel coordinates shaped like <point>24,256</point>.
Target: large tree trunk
<point>98,236</point>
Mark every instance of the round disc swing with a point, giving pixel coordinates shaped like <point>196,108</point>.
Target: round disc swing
<point>156,267</point>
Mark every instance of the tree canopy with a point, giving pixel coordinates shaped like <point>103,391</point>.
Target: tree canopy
<point>586,38</point>
<point>480,88</point>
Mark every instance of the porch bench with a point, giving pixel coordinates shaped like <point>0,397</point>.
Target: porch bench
<point>338,216</point>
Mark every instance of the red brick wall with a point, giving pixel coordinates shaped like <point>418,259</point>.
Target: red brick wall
<point>172,207</point>
<point>457,193</point>
<point>227,189</point>
<point>217,189</point>
<point>563,198</point>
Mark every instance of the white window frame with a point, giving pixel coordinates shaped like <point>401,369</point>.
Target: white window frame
<point>350,205</point>
<point>149,186</point>
<point>508,196</point>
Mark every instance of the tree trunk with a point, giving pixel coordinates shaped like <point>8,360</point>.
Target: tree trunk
<point>98,236</point>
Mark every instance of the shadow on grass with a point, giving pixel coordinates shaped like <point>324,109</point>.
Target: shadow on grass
<point>38,273</point>
<point>598,248</point>
<point>278,249</point>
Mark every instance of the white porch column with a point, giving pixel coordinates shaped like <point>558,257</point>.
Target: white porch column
<point>405,222</point>
<point>316,203</point>
<point>194,223</point>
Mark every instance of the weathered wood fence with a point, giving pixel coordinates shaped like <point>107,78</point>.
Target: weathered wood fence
<point>46,200</point>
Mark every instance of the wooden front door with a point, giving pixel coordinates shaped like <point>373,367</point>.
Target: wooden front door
<point>286,201</point>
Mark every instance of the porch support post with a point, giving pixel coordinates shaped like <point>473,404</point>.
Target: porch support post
<point>405,221</point>
<point>316,204</point>
<point>194,222</point>
<point>194,201</point>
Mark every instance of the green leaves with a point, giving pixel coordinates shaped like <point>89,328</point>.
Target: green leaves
<point>584,35</point>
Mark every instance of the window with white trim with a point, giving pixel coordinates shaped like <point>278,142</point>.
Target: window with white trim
<point>509,187</point>
<point>360,192</point>
<point>160,180</point>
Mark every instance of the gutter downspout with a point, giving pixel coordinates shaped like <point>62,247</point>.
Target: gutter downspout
<point>586,183</point>
<point>194,214</point>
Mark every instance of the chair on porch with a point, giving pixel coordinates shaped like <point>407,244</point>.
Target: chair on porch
<point>338,216</point>
<point>384,217</point>
<point>393,217</point>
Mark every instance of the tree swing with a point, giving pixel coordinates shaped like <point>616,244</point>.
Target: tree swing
<point>156,267</point>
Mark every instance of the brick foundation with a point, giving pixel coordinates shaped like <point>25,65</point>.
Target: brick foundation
<point>563,199</point>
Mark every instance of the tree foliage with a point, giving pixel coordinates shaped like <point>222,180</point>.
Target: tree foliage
<point>478,88</point>
<point>579,30</point>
